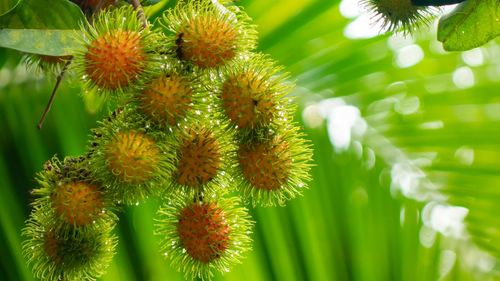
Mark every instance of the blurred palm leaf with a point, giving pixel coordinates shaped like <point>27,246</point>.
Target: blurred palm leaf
<point>405,136</point>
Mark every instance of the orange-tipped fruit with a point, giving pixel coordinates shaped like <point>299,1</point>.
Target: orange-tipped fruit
<point>166,99</point>
<point>132,157</point>
<point>199,158</point>
<point>266,165</point>
<point>115,59</point>
<point>78,203</point>
<point>204,231</point>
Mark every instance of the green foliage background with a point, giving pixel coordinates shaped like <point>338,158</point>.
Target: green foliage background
<point>355,222</point>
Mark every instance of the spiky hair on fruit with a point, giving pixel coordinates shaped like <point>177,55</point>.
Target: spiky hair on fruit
<point>207,34</point>
<point>132,160</point>
<point>253,93</point>
<point>202,236</point>
<point>68,192</point>
<point>48,65</point>
<point>205,157</point>
<point>172,97</point>
<point>58,253</point>
<point>204,150</point>
<point>397,15</point>
<point>274,168</point>
<point>117,53</point>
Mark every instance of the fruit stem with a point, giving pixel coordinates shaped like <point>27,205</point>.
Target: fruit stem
<point>435,2</point>
<point>53,95</point>
<point>140,12</point>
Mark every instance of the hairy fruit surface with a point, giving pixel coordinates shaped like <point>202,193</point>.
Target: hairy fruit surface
<point>207,41</point>
<point>247,100</point>
<point>203,231</point>
<point>266,165</point>
<point>77,203</point>
<point>115,59</point>
<point>199,158</point>
<point>132,156</point>
<point>166,99</point>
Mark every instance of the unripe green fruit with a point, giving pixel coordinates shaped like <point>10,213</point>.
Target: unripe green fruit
<point>132,157</point>
<point>78,203</point>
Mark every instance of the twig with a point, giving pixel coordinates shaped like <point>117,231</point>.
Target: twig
<point>53,95</point>
<point>140,12</point>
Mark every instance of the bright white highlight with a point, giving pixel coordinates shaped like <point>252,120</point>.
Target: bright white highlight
<point>473,57</point>
<point>463,77</point>
<point>409,56</point>
<point>448,220</point>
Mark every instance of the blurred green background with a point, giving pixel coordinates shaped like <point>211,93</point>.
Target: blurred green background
<point>406,146</point>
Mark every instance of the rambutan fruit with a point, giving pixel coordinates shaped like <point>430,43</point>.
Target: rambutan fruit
<point>398,14</point>
<point>167,99</point>
<point>77,203</point>
<point>132,156</point>
<point>117,53</point>
<point>253,94</point>
<point>274,169</point>
<point>63,253</point>
<point>204,158</point>
<point>51,65</point>
<point>202,236</point>
<point>68,192</point>
<point>209,35</point>
<point>131,160</point>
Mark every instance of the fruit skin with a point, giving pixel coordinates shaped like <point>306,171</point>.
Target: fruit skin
<point>77,202</point>
<point>204,231</point>
<point>73,198</point>
<point>399,14</point>
<point>61,252</point>
<point>130,158</point>
<point>114,59</point>
<point>227,231</point>
<point>273,167</point>
<point>204,155</point>
<point>117,55</point>
<point>172,97</point>
<point>253,94</point>
<point>206,35</point>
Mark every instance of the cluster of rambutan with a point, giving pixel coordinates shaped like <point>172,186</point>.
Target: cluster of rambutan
<point>201,121</point>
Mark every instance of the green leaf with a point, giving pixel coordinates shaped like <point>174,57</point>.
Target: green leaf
<point>39,41</point>
<point>7,5</point>
<point>36,14</point>
<point>470,25</point>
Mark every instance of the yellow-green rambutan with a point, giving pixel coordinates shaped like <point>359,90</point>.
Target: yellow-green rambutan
<point>253,94</point>
<point>117,53</point>
<point>172,97</point>
<point>58,252</point>
<point>202,236</point>
<point>132,160</point>
<point>74,198</point>
<point>204,156</point>
<point>209,35</point>
<point>274,168</point>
